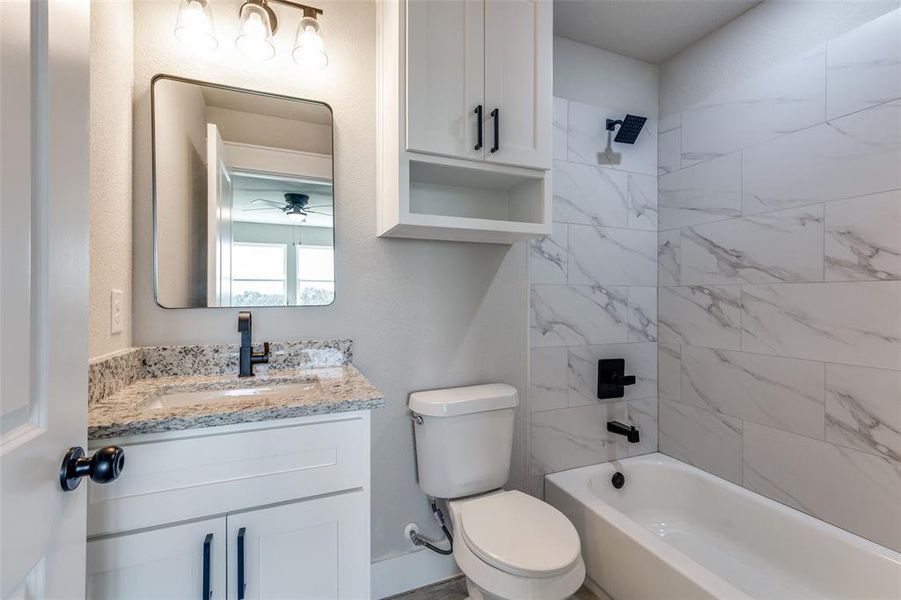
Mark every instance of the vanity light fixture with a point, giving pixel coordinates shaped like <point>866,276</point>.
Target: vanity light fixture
<point>194,26</point>
<point>258,23</point>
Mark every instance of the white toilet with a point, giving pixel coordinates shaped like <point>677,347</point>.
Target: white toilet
<point>508,544</point>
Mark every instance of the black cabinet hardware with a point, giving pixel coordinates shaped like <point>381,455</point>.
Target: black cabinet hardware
<point>104,466</point>
<point>207,590</point>
<point>478,112</point>
<point>241,584</point>
<point>496,114</point>
<point>612,378</point>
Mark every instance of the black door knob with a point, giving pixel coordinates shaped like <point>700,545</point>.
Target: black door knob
<point>104,466</point>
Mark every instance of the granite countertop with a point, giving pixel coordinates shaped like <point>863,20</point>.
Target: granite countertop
<point>136,409</point>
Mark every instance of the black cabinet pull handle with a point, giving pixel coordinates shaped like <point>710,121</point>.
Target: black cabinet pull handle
<point>478,112</point>
<point>496,113</point>
<point>207,591</point>
<point>241,584</point>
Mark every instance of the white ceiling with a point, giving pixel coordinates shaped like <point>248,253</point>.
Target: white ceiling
<point>649,30</point>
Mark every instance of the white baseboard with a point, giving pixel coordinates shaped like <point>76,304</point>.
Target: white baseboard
<point>410,571</point>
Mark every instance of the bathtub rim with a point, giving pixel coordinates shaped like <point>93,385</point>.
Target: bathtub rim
<point>574,482</point>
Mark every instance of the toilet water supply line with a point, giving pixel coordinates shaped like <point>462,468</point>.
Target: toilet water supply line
<point>421,540</point>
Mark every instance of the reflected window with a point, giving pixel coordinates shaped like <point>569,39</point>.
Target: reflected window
<point>315,274</point>
<point>259,274</point>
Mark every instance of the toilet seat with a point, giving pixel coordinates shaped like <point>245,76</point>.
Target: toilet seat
<point>519,534</point>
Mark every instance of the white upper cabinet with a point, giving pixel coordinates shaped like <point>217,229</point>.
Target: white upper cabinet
<point>465,120</point>
<point>518,82</point>
<point>480,71</point>
<point>446,77</point>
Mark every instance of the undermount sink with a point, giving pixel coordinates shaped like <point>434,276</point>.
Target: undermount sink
<point>176,399</point>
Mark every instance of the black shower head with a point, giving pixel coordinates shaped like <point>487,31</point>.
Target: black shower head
<point>629,128</point>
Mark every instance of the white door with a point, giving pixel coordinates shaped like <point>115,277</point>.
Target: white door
<point>44,209</point>
<point>315,549</point>
<point>519,82</point>
<point>219,221</point>
<point>182,562</point>
<point>445,76</point>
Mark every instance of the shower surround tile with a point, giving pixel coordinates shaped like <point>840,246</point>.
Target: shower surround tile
<point>669,257</point>
<point>643,415</point>
<point>669,144</point>
<point>852,323</point>
<point>590,195</point>
<point>600,255</point>
<point>575,437</point>
<point>548,376</point>
<point>779,246</point>
<point>578,315</point>
<point>708,440</point>
<point>863,409</point>
<point>853,490</point>
<point>855,155</point>
<point>641,361</point>
<point>781,100</point>
<point>709,191</point>
<point>700,316</point>
<point>642,314</point>
<point>863,66</point>
<point>560,113</point>
<point>642,201</point>
<point>780,392</point>
<point>588,140</point>
<point>548,256</point>
<point>669,371</point>
<point>863,238</point>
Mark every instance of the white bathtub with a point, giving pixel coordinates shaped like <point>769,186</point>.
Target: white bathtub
<point>674,531</point>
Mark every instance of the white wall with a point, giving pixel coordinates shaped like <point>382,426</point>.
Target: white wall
<point>593,281</point>
<point>421,314</point>
<point>111,169</point>
<point>760,38</point>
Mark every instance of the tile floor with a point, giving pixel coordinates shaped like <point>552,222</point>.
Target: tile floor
<point>455,589</point>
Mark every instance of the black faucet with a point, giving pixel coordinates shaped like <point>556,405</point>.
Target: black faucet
<point>628,431</point>
<point>248,358</point>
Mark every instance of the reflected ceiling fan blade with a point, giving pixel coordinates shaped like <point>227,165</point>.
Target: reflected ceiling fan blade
<point>261,208</point>
<point>272,202</point>
<point>316,212</point>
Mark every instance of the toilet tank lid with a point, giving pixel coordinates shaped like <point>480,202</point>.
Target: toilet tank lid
<point>451,402</point>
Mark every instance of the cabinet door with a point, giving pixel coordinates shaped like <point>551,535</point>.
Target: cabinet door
<point>316,549</point>
<point>182,561</point>
<point>519,82</point>
<point>445,76</point>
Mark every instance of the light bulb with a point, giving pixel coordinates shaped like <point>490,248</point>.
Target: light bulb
<point>309,49</point>
<point>256,31</point>
<point>194,27</point>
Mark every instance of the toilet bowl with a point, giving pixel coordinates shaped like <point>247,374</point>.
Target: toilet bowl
<point>509,545</point>
<point>512,546</point>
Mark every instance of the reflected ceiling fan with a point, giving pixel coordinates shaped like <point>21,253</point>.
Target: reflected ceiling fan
<point>295,207</point>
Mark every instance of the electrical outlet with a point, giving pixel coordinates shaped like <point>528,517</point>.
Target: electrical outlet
<point>116,309</point>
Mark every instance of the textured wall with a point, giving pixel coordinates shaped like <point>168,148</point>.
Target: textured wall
<point>111,164</point>
<point>593,281</point>
<point>422,314</point>
<point>780,298</point>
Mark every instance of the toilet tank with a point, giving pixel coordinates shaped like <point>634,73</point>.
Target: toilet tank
<point>465,438</point>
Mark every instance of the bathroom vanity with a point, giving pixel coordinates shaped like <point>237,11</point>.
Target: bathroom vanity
<point>233,487</point>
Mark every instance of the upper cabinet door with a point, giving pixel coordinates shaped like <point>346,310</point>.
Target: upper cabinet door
<point>445,76</point>
<point>518,82</point>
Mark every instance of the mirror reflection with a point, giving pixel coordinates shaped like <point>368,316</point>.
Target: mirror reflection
<point>243,193</point>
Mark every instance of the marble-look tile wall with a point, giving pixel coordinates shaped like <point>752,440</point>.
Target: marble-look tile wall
<point>779,261</point>
<point>593,294</point>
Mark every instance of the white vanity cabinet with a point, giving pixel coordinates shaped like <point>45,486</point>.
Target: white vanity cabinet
<point>281,505</point>
<point>465,135</point>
